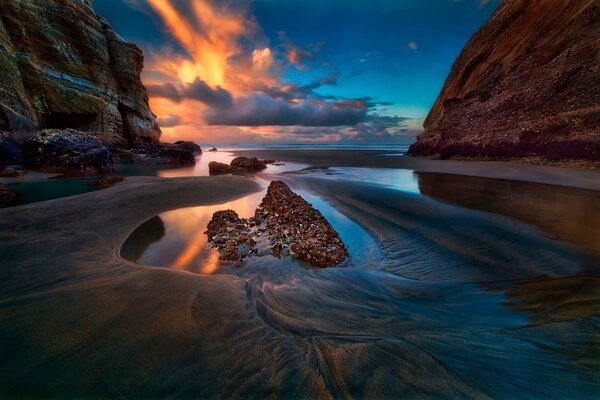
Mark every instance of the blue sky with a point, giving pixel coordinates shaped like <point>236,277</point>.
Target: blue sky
<point>394,55</point>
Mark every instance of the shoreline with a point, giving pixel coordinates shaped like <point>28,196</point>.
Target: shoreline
<point>505,170</point>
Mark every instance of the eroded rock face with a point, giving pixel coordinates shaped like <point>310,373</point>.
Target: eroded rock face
<point>64,67</point>
<point>525,86</point>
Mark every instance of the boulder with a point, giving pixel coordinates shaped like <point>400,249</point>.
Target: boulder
<point>6,196</point>
<point>217,168</point>
<point>249,164</point>
<point>214,149</point>
<point>190,146</point>
<point>68,152</point>
<point>158,154</point>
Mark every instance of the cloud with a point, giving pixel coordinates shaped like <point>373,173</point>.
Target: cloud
<point>260,109</point>
<point>413,45</point>
<point>197,90</point>
<point>170,121</point>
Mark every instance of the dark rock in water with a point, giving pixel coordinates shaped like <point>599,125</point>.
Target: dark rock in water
<point>68,152</point>
<point>64,67</point>
<point>231,235</point>
<point>10,151</point>
<point>284,224</point>
<point>10,172</point>
<point>157,154</point>
<point>107,181</point>
<point>213,149</point>
<point>217,168</point>
<point>190,146</point>
<point>525,86</point>
<point>249,164</point>
<point>6,196</point>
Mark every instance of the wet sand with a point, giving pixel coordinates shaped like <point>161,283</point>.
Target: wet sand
<point>463,304</point>
<point>572,177</point>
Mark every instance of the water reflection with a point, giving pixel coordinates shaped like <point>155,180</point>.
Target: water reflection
<point>569,214</point>
<point>202,161</point>
<point>184,245</point>
<point>400,179</point>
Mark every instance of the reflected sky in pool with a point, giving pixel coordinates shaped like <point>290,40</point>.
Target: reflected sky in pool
<point>182,244</point>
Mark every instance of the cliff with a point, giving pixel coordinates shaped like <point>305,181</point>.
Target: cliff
<point>64,67</point>
<point>526,85</point>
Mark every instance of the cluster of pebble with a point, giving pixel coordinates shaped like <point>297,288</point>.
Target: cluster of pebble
<point>294,226</point>
<point>231,235</point>
<point>283,225</point>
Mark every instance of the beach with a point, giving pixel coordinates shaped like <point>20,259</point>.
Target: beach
<point>479,299</point>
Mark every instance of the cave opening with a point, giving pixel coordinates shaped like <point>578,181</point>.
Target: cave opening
<point>62,120</point>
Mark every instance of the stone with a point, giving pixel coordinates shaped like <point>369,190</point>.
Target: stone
<point>190,146</point>
<point>64,67</point>
<point>6,196</point>
<point>217,168</point>
<point>250,164</point>
<point>158,154</point>
<point>214,149</point>
<point>525,86</point>
<point>231,235</point>
<point>283,225</point>
<point>67,152</point>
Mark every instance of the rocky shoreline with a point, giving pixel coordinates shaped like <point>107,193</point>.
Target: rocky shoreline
<point>75,153</point>
<point>283,225</point>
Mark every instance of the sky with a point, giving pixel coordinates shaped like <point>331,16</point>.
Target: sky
<point>295,71</point>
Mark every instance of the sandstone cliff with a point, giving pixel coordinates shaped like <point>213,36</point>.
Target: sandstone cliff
<point>64,67</point>
<point>526,85</point>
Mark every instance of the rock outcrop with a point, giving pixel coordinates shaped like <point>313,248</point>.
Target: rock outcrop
<point>239,165</point>
<point>283,225</point>
<point>68,152</point>
<point>64,67</point>
<point>525,86</point>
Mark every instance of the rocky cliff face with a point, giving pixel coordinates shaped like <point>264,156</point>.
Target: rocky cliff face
<point>64,67</point>
<point>526,85</point>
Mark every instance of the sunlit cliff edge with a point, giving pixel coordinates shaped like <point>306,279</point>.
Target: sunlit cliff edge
<point>525,86</point>
<point>64,67</point>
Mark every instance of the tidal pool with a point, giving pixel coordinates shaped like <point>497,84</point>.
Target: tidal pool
<point>176,239</point>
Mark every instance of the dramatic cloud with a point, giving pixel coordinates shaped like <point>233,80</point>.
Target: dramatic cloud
<point>220,72</point>
<point>170,121</point>
<point>198,90</point>
<point>259,109</point>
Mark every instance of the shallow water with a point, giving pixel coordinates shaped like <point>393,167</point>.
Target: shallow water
<point>176,239</point>
<point>45,188</point>
<point>456,303</point>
